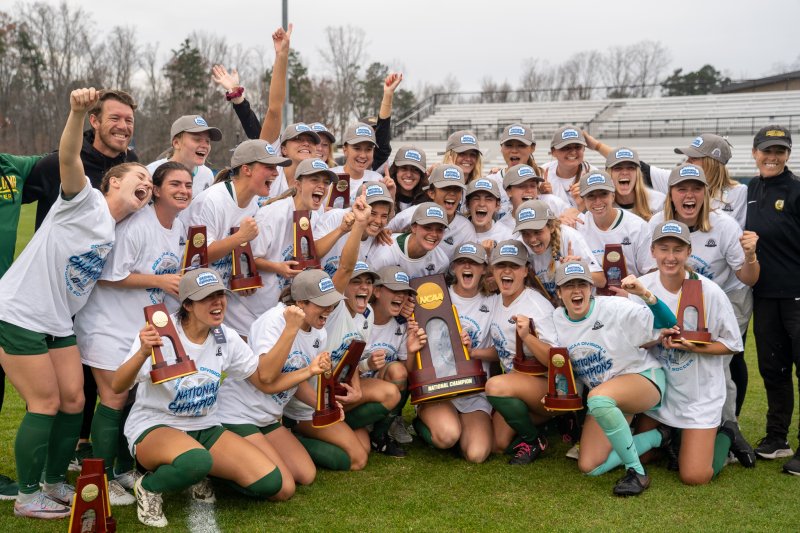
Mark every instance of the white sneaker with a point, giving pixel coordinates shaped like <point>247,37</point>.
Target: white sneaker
<point>117,495</point>
<point>149,506</point>
<point>128,479</point>
<point>574,452</point>
<point>62,493</point>
<point>398,431</point>
<point>38,505</point>
<point>203,491</point>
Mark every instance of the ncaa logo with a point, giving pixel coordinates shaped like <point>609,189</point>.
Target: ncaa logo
<point>509,249</point>
<point>569,134</point>
<point>671,228</point>
<point>200,121</point>
<point>595,179</point>
<point>516,130</point>
<point>574,268</point>
<point>689,171</point>
<point>697,142</point>
<point>413,155</point>
<point>468,139</point>
<point>319,164</point>
<point>526,214</point>
<point>364,131</point>
<point>326,285</point>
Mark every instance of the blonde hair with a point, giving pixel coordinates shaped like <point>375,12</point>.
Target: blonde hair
<point>703,218</point>
<point>641,204</point>
<point>554,226</point>
<point>717,177</point>
<point>477,172</point>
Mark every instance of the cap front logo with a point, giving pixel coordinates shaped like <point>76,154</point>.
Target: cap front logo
<point>574,268</point>
<point>270,150</point>
<point>516,130</point>
<point>401,277</point>
<point>775,133</point>
<point>594,179</point>
<point>697,142</point>
<point>624,154</point>
<point>360,265</point>
<point>569,134</point>
<point>452,173</point>
<point>413,155</point>
<point>509,249</point>
<point>525,172</point>
<point>374,190</point>
<point>364,131</point>
<point>319,164</point>
<point>671,228</point>
<point>318,127</point>
<point>526,214</point>
<point>326,285</point>
<point>689,171</point>
<point>301,128</point>
<point>435,212</point>
<point>468,249</point>
<point>206,278</point>
<point>200,121</point>
<point>483,184</point>
<point>468,139</point>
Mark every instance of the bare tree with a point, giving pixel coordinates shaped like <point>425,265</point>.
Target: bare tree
<point>122,53</point>
<point>344,54</point>
<point>649,62</point>
<point>579,74</point>
<point>538,78</point>
<point>617,70</point>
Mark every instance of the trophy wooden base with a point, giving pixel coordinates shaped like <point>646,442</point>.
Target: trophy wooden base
<point>530,366</point>
<point>326,417</point>
<point>91,495</point>
<point>570,402</point>
<point>245,283</point>
<point>160,374</point>
<point>424,386</point>
<point>606,291</point>
<point>695,337</point>
<point>305,264</point>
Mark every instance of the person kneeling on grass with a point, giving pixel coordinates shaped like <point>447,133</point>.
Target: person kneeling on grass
<point>173,429</point>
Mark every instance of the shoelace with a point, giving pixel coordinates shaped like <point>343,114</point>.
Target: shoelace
<point>523,448</point>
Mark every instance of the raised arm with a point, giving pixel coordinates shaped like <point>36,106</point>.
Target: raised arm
<point>73,177</point>
<point>383,128</point>
<point>271,129</point>
<point>229,81</point>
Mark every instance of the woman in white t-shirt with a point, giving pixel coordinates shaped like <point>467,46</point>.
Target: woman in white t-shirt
<point>466,420</point>
<point>517,144</point>
<point>564,172</point>
<point>173,429</point>
<point>408,172</point>
<point>358,145</point>
<point>631,193</point>
<point>141,270</point>
<point>517,397</point>
<point>463,151</point>
<point>483,202</point>
<point>695,392</point>
<point>44,288</point>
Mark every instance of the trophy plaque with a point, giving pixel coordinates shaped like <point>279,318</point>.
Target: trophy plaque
<point>692,298</point>
<point>614,269</point>
<point>329,385</point>
<point>183,366</point>
<point>91,508</point>
<point>339,197</point>
<point>195,255</point>
<point>561,392</point>
<point>524,364</point>
<point>305,253</point>
<point>436,314</point>
<point>244,273</point>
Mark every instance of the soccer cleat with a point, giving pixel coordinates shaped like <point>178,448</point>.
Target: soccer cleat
<point>574,452</point>
<point>203,491</point>
<point>8,488</point>
<point>740,448</point>
<point>387,446</point>
<point>38,505</point>
<point>149,506</point>
<point>83,451</point>
<point>128,479</point>
<point>526,453</point>
<point>399,432</point>
<point>631,484</point>
<point>772,447</point>
<point>792,466</point>
<point>117,495</point>
<point>62,492</point>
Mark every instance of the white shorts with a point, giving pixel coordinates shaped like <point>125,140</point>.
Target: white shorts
<point>472,403</point>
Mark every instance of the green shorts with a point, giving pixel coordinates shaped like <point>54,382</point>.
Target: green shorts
<point>206,437</point>
<point>245,430</point>
<point>659,380</point>
<point>20,341</point>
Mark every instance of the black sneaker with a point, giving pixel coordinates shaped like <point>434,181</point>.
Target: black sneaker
<point>631,484</point>
<point>667,434</point>
<point>740,448</point>
<point>772,447</point>
<point>792,466</point>
<point>570,427</point>
<point>387,446</point>
<point>525,453</point>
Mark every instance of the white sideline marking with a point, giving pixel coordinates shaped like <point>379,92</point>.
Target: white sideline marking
<point>202,518</point>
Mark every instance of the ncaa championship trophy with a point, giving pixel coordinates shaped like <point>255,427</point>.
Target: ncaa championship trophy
<point>244,273</point>
<point>91,508</point>
<point>614,269</point>
<point>527,364</point>
<point>561,392</point>
<point>339,197</point>
<point>195,254</point>
<point>329,385</point>
<point>692,298</point>
<point>305,253</point>
<point>183,366</point>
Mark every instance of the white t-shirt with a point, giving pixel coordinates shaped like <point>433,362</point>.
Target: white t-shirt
<point>504,330</point>
<point>561,185</point>
<point>541,262</point>
<point>53,277</point>
<point>607,341</point>
<point>655,201</point>
<point>391,338</point>
<point>108,323</point>
<point>628,230</point>
<point>498,232</point>
<point>328,223</point>
<point>716,254</point>
<point>369,175</point>
<point>434,262</point>
<point>189,403</point>
<point>243,403</point>
<point>475,315</point>
<point>202,176</point>
<point>459,230</point>
<point>695,383</point>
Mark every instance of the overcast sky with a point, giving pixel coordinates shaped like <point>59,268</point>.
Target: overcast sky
<point>430,39</point>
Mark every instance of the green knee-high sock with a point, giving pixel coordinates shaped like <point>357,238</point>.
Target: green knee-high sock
<point>125,461</point>
<point>722,445</point>
<point>517,415</point>
<point>616,428</point>
<point>423,431</point>
<point>397,410</point>
<point>381,426</point>
<point>30,449</point>
<point>325,454</point>
<point>186,469</point>
<point>643,442</point>
<point>105,434</point>
<point>61,447</point>
<point>365,414</point>
<point>265,487</point>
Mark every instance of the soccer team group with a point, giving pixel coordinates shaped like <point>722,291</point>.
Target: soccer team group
<point>517,244</point>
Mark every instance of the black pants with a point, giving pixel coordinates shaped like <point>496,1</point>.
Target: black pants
<point>776,325</point>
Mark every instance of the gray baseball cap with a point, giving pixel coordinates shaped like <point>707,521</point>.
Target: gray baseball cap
<point>198,283</point>
<point>395,278</point>
<point>518,132</point>
<point>194,124</point>
<point>307,167</point>
<point>708,145</point>
<point>532,214</point>
<point>295,130</point>
<point>509,251</point>
<point>446,176</point>
<point>320,129</point>
<point>363,268</point>
<point>359,133</point>
<point>256,150</point>
<point>472,251</point>
<point>462,141</point>
<point>410,156</point>
<point>686,172</point>
<point>483,185</point>
<point>622,155</point>
<point>315,286</point>
<point>673,229</point>
<point>567,135</point>
<point>596,181</point>
<point>572,270</point>
<point>429,213</point>
<point>376,192</point>
<point>520,174</point>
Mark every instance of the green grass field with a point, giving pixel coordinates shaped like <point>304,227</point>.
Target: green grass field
<point>435,491</point>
